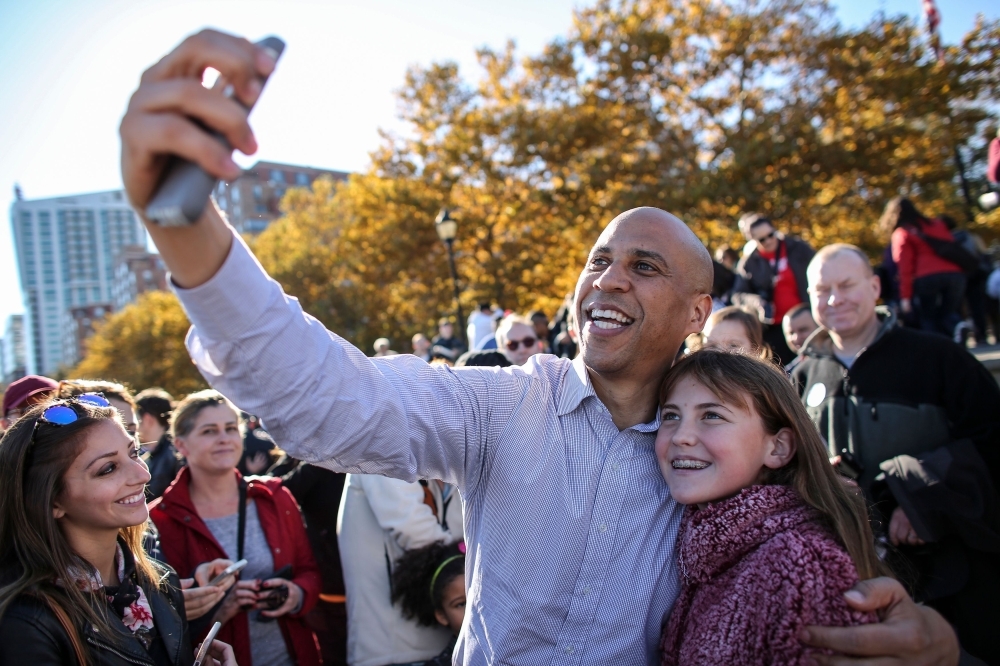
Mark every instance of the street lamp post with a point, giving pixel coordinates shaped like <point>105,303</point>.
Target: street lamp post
<point>447,228</point>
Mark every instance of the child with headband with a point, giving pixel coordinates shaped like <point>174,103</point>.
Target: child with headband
<point>429,585</point>
<point>772,538</point>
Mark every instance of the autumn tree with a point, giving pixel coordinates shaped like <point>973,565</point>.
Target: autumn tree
<point>141,346</point>
<point>705,108</point>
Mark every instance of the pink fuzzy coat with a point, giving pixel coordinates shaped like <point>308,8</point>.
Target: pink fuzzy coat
<point>756,568</point>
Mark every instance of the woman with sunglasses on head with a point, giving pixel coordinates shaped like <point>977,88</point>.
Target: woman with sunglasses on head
<point>118,395</point>
<point>211,511</point>
<point>75,585</point>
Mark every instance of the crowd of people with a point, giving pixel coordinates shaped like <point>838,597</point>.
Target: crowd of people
<point>776,457</point>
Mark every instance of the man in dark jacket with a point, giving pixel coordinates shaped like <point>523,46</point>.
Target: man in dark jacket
<point>318,492</point>
<point>915,419</point>
<point>774,268</point>
<point>153,408</point>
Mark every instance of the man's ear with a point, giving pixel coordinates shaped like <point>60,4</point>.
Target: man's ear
<point>781,449</point>
<point>441,617</point>
<point>700,311</point>
<point>877,286</point>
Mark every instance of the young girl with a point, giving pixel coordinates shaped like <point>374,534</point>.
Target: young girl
<point>772,537</point>
<point>75,584</point>
<point>733,328</point>
<point>429,585</point>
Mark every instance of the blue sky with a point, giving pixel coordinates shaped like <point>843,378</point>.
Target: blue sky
<point>68,68</point>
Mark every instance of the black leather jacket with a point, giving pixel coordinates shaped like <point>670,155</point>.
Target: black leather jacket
<point>31,634</point>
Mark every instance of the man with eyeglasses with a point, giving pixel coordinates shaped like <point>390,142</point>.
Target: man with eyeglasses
<point>516,339</point>
<point>774,268</point>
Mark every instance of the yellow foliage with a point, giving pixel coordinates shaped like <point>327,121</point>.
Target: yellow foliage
<point>705,108</point>
<point>142,346</point>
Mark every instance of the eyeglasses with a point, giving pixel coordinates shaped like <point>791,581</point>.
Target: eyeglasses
<point>766,237</point>
<point>528,343</point>
<point>63,413</point>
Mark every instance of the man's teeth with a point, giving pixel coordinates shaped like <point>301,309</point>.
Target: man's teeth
<point>689,464</point>
<point>134,499</point>
<point>607,318</point>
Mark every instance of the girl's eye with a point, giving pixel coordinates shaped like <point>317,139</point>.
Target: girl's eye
<point>712,415</point>
<point>107,469</point>
<point>671,416</point>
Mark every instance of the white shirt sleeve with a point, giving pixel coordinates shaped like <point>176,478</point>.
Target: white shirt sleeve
<point>323,400</point>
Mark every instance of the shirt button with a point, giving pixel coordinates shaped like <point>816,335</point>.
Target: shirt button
<point>569,649</point>
<point>603,527</point>
<point>614,467</point>
<point>585,591</point>
<point>277,551</point>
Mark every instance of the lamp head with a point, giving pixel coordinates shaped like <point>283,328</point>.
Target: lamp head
<point>446,226</point>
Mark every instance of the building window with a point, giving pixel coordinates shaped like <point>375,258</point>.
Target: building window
<point>302,179</point>
<point>277,177</point>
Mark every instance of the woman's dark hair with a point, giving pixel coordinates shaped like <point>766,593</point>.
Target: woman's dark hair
<point>33,551</point>
<point>157,403</point>
<point>414,585</point>
<point>69,388</point>
<point>764,388</point>
<point>900,212</point>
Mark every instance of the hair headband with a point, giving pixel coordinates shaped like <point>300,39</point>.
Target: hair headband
<point>437,572</point>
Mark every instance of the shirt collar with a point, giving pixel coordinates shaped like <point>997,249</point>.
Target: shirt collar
<point>577,386</point>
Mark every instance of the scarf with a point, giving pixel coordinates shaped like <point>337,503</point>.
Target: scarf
<point>127,600</point>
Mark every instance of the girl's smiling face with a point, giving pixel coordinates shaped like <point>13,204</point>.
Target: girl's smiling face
<point>710,449</point>
<point>103,488</point>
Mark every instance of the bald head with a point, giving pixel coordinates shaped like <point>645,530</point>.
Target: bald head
<point>687,255</point>
<point>646,287</point>
<point>852,253</point>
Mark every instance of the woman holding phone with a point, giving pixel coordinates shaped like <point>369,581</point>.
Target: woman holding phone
<point>76,586</point>
<point>212,512</point>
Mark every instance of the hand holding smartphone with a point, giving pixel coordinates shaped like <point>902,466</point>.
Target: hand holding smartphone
<point>199,656</point>
<point>231,570</point>
<point>182,195</point>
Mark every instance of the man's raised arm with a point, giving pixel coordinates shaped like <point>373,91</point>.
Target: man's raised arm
<point>323,400</point>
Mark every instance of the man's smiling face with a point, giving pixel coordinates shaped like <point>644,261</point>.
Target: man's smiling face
<point>641,293</point>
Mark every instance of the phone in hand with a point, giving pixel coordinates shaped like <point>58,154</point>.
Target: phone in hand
<point>277,596</point>
<point>183,193</point>
<point>274,598</point>
<point>202,653</point>
<point>231,570</point>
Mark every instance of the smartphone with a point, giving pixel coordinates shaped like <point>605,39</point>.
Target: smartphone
<point>183,193</point>
<point>231,570</point>
<point>206,644</point>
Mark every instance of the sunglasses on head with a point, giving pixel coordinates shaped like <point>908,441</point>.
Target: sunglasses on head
<point>63,412</point>
<point>528,343</point>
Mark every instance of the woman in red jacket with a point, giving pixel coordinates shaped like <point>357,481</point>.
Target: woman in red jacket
<point>211,512</point>
<point>929,286</point>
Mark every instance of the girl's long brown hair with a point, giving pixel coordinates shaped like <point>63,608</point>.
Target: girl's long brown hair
<point>33,551</point>
<point>763,387</point>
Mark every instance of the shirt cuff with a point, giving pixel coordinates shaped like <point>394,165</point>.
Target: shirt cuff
<point>232,299</point>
